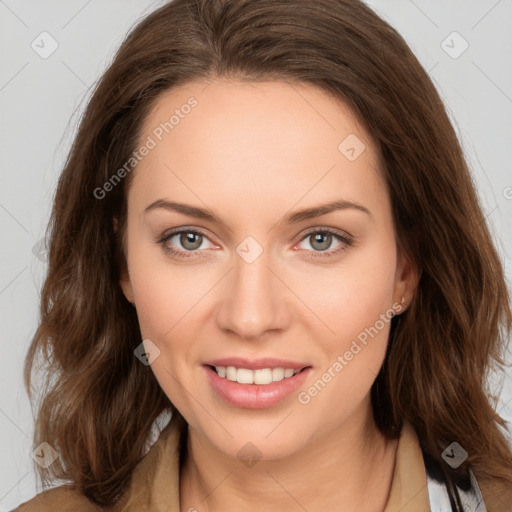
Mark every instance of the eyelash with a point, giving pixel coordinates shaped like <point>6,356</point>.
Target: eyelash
<point>346,240</point>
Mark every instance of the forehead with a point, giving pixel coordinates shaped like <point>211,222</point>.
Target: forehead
<point>234,113</point>
<point>263,140</point>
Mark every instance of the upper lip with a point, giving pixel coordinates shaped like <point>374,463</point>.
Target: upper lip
<point>256,364</point>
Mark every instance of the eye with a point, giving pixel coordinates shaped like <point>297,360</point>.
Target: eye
<point>322,239</point>
<point>190,240</point>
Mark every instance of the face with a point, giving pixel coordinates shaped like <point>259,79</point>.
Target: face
<point>220,264</point>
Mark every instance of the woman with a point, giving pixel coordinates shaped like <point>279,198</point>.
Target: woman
<point>266,228</point>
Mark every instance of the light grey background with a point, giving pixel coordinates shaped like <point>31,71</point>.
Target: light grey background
<point>41,100</point>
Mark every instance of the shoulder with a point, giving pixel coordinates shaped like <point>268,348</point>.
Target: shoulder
<point>156,466</point>
<point>63,499</point>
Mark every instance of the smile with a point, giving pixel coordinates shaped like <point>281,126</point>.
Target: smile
<point>260,376</point>
<point>254,389</point>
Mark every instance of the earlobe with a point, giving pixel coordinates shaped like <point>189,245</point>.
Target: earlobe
<point>124,279</point>
<point>125,282</point>
<point>406,282</point>
<point>126,286</point>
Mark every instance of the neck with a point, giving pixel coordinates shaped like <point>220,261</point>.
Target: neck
<point>352,465</point>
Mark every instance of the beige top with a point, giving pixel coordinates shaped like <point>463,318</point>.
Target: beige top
<point>155,481</point>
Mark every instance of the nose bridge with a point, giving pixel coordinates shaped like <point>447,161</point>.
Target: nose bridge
<point>253,301</point>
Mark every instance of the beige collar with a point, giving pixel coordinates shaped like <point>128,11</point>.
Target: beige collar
<point>409,492</point>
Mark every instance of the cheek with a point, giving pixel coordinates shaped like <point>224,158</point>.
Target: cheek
<point>354,301</point>
<point>165,309</point>
<point>159,294</point>
<point>357,311</point>
<point>165,300</point>
<point>353,295</point>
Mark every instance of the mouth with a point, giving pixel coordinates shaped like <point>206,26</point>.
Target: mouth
<point>255,389</point>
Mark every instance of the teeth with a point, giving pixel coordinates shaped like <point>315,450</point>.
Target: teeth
<point>246,376</point>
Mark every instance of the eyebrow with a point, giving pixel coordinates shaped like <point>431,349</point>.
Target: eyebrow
<point>293,218</point>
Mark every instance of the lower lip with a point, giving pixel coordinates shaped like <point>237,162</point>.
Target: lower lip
<point>255,396</point>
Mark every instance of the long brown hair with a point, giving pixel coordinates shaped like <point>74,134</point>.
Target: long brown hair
<point>98,401</point>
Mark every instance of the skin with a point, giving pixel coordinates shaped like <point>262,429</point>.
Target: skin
<point>254,153</point>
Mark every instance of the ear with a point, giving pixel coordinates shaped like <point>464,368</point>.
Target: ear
<point>126,284</point>
<point>407,277</point>
<point>124,276</point>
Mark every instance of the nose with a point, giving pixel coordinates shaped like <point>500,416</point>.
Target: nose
<point>253,300</point>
